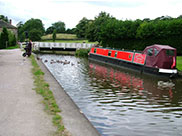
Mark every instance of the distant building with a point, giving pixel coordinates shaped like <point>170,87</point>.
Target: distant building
<point>9,27</point>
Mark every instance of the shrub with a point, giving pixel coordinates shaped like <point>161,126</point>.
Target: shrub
<point>4,38</point>
<point>82,52</point>
<point>0,40</point>
<point>54,36</point>
<point>12,39</point>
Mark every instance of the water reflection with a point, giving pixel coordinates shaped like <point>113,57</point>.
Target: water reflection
<point>118,102</point>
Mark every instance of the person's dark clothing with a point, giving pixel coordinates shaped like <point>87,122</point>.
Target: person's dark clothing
<point>29,49</point>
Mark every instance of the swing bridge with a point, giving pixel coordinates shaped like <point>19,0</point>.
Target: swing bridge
<point>38,46</point>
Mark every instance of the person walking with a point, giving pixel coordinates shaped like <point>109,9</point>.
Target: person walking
<point>29,48</point>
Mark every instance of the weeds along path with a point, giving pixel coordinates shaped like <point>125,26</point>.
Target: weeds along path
<point>42,88</point>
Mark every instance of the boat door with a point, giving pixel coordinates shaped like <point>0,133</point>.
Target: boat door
<point>150,58</point>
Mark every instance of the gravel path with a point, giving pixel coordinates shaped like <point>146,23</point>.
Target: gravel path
<point>21,110</point>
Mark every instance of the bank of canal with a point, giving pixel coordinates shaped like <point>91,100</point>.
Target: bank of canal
<point>117,102</point>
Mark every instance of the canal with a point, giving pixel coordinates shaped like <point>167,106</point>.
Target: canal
<point>118,102</point>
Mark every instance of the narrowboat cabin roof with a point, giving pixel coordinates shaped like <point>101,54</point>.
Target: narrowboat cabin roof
<point>160,56</point>
<point>161,47</point>
<point>116,49</point>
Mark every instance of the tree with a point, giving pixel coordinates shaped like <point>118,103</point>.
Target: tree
<point>4,38</point>
<point>94,27</point>
<point>71,31</point>
<point>59,26</point>
<point>81,28</point>
<point>14,40</point>
<point>50,30</point>
<point>54,36</point>
<point>35,35</point>
<point>4,18</point>
<point>180,17</point>
<point>32,26</point>
<point>21,35</point>
<point>164,18</point>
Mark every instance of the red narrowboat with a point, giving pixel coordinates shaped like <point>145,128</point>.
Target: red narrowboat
<point>155,59</point>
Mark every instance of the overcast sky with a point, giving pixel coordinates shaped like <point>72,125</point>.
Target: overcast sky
<point>72,11</point>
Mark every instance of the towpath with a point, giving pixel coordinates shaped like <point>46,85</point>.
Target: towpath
<point>21,111</point>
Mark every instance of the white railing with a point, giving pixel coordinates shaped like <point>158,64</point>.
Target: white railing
<point>51,45</point>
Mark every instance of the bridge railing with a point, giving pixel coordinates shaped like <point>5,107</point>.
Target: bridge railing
<point>51,45</point>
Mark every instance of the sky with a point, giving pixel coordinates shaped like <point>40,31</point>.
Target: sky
<point>72,11</point>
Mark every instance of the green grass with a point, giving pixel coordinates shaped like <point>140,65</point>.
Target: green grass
<point>179,63</point>
<point>13,47</point>
<point>42,88</point>
<point>70,41</point>
<point>65,38</point>
<point>60,36</point>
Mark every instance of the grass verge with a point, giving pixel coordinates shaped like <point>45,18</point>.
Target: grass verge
<point>42,88</point>
<point>12,47</point>
<point>179,63</point>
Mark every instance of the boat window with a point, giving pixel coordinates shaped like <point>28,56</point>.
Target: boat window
<point>109,53</point>
<point>170,52</point>
<point>95,50</point>
<point>150,52</point>
<point>156,52</point>
<point>116,53</point>
<point>129,56</point>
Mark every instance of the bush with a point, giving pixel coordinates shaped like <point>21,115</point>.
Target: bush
<point>4,38</point>
<point>0,40</point>
<point>54,36</point>
<point>12,39</point>
<point>179,63</point>
<point>82,52</point>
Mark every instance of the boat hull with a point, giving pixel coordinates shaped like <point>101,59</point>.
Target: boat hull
<point>133,66</point>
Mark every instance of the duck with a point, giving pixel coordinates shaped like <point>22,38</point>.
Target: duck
<point>72,64</point>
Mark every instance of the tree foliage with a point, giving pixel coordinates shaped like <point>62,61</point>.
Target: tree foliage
<point>35,35</point>
<point>132,34</point>
<point>50,30</point>
<point>71,31</point>
<point>58,26</point>
<point>7,39</point>
<point>81,28</point>
<point>54,35</point>
<point>33,27</point>
<point>4,18</point>
<point>21,34</point>
<point>94,30</point>
<point>4,38</point>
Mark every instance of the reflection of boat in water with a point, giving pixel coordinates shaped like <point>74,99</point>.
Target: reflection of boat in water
<point>128,82</point>
<point>163,85</point>
<point>115,78</point>
<point>155,59</point>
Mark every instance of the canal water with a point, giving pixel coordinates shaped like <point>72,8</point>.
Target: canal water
<point>118,102</point>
